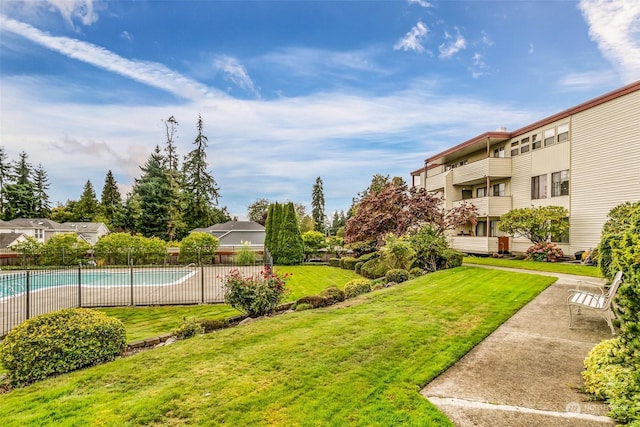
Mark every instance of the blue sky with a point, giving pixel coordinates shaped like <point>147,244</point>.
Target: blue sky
<point>292,90</point>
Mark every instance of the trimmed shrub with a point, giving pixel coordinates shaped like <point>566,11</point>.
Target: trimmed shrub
<point>303,307</point>
<point>397,275</point>
<point>254,295</point>
<point>245,256</point>
<point>188,328</point>
<point>356,287</point>
<point>334,262</point>
<point>452,258</point>
<point>369,256</point>
<point>416,272</point>
<point>377,287</point>
<point>358,267</point>
<point>314,301</point>
<point>333,295</point>
<point>210,325</point>
<point>348,263</point>
<point>374,268</point>
<point>59,342</point>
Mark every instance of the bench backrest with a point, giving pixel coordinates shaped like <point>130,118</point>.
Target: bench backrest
<point>617,280</point>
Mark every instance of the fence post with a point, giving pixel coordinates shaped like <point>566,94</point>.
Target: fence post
<point>27,283</point>
<point>131,284</point>
<point>201,282</point>
<point>79,286</point>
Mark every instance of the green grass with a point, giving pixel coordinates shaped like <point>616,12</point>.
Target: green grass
<point>149,322</point>
<point>551,267</point>
<point>362,362</point>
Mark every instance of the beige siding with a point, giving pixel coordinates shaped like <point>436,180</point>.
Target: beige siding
<point>605,169</point>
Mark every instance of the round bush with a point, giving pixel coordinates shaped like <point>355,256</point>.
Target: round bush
<point>397,275</point>
<point>60,341</point>
<point>210,325</point>
<point>348,263</point>
<point>358,267</point>
<point>356,287</point>
<point>314,301</point>
<point>369,256</point>
<point>334,262</point>
<point>374,268</point>
<point>333,295</point>
<point>188,328</point>
<point>603,365</point>
<point>416,272</point>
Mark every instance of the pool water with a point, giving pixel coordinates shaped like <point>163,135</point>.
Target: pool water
<point>15,284</point>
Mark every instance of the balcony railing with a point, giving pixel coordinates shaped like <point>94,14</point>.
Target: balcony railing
<point>492,167</point>
<point>489,206</point>
<point>475,245</point>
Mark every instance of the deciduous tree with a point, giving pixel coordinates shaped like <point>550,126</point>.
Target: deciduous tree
<point>537,224</point>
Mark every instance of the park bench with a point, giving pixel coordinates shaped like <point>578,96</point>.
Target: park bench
<point>600,302</point>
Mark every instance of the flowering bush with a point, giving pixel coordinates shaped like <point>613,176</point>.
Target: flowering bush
<point>544,252</point>
<point>255,295</point>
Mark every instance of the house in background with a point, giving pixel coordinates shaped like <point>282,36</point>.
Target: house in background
<point>584,159</point>
<point>40,229</point>
<point>89,231</point>
<point>7,240</point>
<point>234,235</point>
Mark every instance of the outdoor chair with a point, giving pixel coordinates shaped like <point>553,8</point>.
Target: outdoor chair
<point>599,301</point>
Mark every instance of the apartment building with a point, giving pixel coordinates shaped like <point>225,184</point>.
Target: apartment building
<point>586,159</point>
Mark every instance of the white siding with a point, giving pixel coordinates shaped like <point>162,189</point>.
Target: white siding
<point>605,169</point>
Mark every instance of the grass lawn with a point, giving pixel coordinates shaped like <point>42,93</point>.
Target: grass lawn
<point>149,322</point>
<point>362,362</point>
<point>577,269</point>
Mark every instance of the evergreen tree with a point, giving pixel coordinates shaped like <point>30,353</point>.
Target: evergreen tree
<point>200,188</point>
<point>176,228</point>
<point>5,170</point>
<point>290,244</point>
<point>21,198</point>
<point>41,181</point>
<point>269,228</point>
<point>317,206</point>
<point>110,199</point>
<point>154,192</point>
<point>86,209</point>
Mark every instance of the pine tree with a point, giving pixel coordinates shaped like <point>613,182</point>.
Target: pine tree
<point>317,206</point>
<point>111,199</point>
<point>176,227</point>
<point>87,207</point>
<point>290,244</point>
<point>200,188</point>
<point>5,169</point>
<point>153,191</point>
<point>21,198</point>
<point>41,181</point>
<point>269,229</point>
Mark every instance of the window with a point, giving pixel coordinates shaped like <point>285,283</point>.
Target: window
<point>549,137</point>
<point>467,194</point>
<point>481,229</point>
<point>493,228</point>
<point>514,149</point>
<point>498,189</point>
<point>539,187</point>
<point>481,192</point>
<point>524,145</point>
<point>563,133</point>
<point>498,152</point>
<point>536,142</point>
<point>39,233</point>
<point>560,183</point>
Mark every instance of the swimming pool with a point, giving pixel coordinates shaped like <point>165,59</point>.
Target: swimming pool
<point>13,284</point>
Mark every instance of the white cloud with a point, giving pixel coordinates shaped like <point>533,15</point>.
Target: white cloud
<point>531,49</point>
<point>589,80</point>
<point>422,3</point>
<point>615,26</point>
<point>486,39</point>
<point>453,45</point>
<point>479,66</point>
<point>149,73</point>
<point>236,72</point>
<point>126,35</point>
<point>75,9</point>
<point>413,39</point>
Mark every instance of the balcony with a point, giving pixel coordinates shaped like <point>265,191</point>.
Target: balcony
<point>436,182</point>
<point>489,206</point>
<point>477,172</point>
<point>476,245</point>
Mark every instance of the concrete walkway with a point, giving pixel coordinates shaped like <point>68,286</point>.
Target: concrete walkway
<point>528,371</point>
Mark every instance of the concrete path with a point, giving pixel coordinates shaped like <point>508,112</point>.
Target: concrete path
<point>528,371</point>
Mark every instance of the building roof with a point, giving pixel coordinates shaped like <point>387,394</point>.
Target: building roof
<point>85,227</point>
<point>236,233</point>
<point>477,142</point>
<point>7,239</point>
<point>40,223</point>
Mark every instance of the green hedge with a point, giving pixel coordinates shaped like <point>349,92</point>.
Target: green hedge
<point>356,287</point>
<point>348,263</point>
<point>59,342</point>
<point>397,275</point>
<point>374,268</point>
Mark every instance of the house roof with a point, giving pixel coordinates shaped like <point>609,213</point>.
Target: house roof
<point>85,227</point>
<point>5,224</point>
<point>236,233</point>
<point>7,239</point>
<point>40,223</point>
<point>480,140</point>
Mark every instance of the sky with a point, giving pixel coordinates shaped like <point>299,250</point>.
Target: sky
<point>289,90</point>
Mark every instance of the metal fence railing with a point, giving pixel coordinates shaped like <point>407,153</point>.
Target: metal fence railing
<point>28,293</point>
